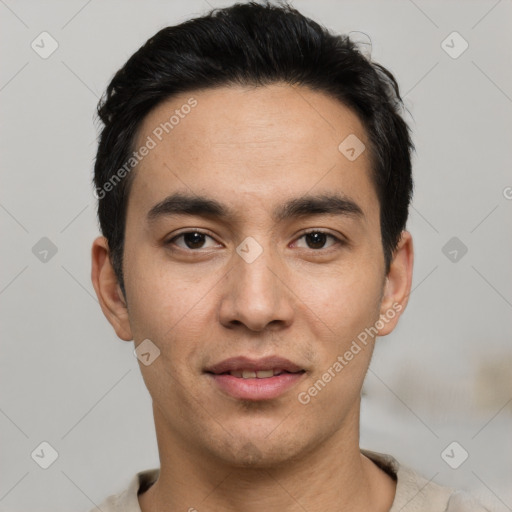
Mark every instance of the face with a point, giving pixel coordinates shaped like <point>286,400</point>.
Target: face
<point>258,275</point>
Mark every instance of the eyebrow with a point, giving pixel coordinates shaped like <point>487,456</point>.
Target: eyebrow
<point>324,204</point>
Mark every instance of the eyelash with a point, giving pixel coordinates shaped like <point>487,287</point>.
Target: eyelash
<point>338,241</point>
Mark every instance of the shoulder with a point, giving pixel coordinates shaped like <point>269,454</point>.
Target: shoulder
<point>127,500</point>
<point>462,502</point>
<point>414,493</point>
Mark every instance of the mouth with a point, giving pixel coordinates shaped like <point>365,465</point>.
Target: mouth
<point>249,379</point>
<point>258,374</point>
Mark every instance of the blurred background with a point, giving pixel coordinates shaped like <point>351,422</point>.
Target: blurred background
<point>438,395</point>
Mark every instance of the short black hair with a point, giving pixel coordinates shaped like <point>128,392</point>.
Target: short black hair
<point>252,44</point>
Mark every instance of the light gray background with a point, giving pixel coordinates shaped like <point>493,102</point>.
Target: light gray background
<point>444,375</point>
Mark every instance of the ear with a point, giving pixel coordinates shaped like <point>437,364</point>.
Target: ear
<point>107,288</point>
<point>398,284</point>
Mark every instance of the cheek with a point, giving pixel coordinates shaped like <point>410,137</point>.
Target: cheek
<point>159,295</point>
<point>172,308</point>
<point>344,307</point>
<point>344,300</point>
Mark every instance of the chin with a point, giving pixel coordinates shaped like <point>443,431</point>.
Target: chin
<point>258,452</point>
<point>250,456</point>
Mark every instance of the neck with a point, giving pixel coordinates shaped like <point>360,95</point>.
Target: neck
<point>333,476</point>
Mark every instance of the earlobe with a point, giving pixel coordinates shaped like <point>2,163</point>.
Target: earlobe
<point>398,284</point>
<point>108,291</point>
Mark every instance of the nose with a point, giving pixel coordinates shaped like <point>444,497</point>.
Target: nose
<point>255,294</point>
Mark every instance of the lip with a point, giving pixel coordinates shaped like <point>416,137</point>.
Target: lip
<point>255,389</point>
<point>246,363</point>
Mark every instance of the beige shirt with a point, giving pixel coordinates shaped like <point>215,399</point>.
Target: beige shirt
<point>413,492</point>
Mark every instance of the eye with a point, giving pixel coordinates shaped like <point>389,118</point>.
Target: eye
<point>191,240</point>
<point>317,239</point>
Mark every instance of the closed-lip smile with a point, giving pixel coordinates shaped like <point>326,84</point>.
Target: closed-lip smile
<point>255,379</point>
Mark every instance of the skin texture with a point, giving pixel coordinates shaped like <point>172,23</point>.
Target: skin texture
<point>253,149</point>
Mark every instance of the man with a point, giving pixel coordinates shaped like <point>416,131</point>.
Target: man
<point>254,178</point>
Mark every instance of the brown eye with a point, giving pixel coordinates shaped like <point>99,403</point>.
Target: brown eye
<point>191,240</point>
<point>317,240</point>
<point>194,240</point>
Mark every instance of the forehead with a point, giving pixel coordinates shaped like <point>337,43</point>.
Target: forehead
<point>251,143</point>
